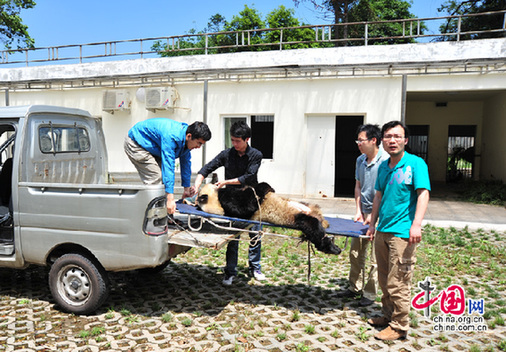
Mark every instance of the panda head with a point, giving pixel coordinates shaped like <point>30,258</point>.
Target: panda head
<point>262,189</point>
<point>208,201</point>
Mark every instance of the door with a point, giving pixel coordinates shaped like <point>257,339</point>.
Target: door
<point>461,155</point>
<point>320,160</point>
<point>418,141</point>
<point>346,152</point>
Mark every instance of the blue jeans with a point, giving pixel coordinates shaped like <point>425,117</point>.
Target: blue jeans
<point>254,254</point>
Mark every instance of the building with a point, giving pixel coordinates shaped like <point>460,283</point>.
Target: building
<point>304,105</point>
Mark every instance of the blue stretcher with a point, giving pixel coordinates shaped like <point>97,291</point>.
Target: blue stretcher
<point>340,227</point>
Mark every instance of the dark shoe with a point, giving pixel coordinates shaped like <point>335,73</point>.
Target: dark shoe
<point>390,334</point>
<point>364,302</point>
<point>378,321</point>
<point>347,294</point>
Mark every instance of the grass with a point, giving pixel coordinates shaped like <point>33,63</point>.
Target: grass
<point>483,192</point>
<point>188,301</point>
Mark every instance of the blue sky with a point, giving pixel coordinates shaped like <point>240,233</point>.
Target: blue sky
<point>63,22</point>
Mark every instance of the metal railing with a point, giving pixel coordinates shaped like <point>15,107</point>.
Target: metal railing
<point>329,35</point>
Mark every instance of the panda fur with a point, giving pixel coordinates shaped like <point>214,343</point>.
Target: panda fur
<point>261,203</point>
<point>232,201</point>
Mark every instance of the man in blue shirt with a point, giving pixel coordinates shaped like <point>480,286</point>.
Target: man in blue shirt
<point>402,196</point>
<point>366,170</point>
<point>241,163</point>
<point>153,145</point>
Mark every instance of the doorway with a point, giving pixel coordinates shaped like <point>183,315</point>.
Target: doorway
<point>331,155</point>
<point>418,141</point>
<point>461,152</point>
<point>346,152</point>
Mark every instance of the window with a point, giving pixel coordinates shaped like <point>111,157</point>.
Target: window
<point>262,132</point>
<point>63,139</point>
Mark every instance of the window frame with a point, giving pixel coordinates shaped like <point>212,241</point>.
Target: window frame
<point>51,133</point>
<point>248,119</point>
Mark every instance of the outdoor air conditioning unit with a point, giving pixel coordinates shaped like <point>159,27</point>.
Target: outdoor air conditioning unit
<point>116,100</point>
<point>160,98</point>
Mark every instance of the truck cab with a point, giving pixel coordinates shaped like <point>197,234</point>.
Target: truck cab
<point>59,208</point>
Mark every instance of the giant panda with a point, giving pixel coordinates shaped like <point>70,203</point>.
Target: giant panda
<point>261,203</point>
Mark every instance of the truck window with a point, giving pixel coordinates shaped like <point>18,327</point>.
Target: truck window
<point>63,139</point>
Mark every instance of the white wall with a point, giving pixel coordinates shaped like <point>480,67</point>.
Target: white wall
<point>290,101</point>
<point>494,129</point>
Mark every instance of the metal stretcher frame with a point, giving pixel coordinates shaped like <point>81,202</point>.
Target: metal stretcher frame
<point>339,227</point>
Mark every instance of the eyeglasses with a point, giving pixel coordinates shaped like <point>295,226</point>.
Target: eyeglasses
<point>360,141</point>
<point>398,138</point>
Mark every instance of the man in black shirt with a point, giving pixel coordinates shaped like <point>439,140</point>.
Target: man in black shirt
<point>241,164</point>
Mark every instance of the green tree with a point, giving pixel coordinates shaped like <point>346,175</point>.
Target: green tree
<point>248,20</point>
<point>298,37</point>
<point>192,43</point>
<point>218,39</point>
<point>473,23</point>
<point>352,11</point>
<point>12,29</point>
<point>382,10</point>
<point>335,10</point>
<point>249,33</point>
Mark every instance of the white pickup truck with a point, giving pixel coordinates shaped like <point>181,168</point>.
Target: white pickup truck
<point>59,208</point>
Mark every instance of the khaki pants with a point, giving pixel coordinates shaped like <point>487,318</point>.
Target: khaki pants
<point>358,256</point>
<point>396,259</point>
<point>146,164</point>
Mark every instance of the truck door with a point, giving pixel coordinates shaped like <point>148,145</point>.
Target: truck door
<point>7,137</point>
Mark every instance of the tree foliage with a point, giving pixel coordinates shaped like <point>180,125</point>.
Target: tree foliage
<point>473,23</point>
<point>12,29</point>
<point>352,12</point>
<point>298,38</point>
<point>223,36</point>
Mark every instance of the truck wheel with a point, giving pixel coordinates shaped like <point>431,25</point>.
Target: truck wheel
<point>78,284</point>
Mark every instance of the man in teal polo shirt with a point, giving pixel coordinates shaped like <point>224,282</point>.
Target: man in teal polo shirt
<point>402,195</point>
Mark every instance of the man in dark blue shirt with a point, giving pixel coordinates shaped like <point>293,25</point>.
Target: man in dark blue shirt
<point>241,164</point>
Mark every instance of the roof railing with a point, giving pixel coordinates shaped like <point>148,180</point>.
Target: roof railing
<point>410,30</point>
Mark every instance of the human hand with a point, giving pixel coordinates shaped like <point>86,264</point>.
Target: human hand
<point>220,184</point>
<point>189,192</point>
<point>371,231</point>
<point>358,217</point>
<point>415,234</point>
<point>171,207</point>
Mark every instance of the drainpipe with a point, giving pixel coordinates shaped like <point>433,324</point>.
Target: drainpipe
<point>403,98</point>
<point>204,120</point>
<point>7,97</point>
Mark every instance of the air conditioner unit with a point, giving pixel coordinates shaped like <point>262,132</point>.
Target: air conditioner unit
<point>160,98</point>
<point>116,100</point>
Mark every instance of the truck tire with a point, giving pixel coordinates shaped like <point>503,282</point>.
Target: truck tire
<point>78,284</point>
